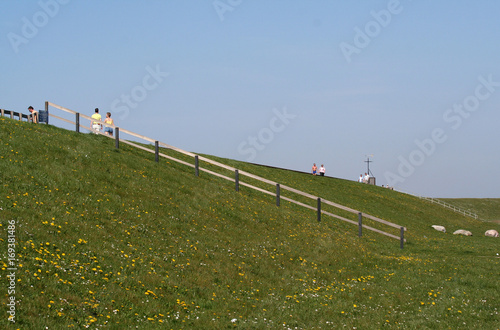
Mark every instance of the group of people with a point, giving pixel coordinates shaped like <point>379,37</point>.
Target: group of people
<point>365,178</point>
<point>96,125</point>
<point>322,170</point>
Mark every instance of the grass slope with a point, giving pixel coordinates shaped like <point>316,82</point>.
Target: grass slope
<point>109,238</point>
<point>486,208</point>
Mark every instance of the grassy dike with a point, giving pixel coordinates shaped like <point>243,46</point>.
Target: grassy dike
<point>110,238</point>
<point>488,209</point>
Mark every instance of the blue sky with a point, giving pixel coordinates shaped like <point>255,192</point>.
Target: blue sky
<point>416,84</point>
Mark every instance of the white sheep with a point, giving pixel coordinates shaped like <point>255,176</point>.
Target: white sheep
<point>462,232</point>
<point>439,228</point>
<point>491,233</point>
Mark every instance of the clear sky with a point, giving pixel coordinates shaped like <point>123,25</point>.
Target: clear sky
<point>415,83</point>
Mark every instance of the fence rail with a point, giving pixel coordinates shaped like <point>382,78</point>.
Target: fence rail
<point>444,204</point>
<point>13,114</point>
<point>234,179</point>
<point>449,206</point>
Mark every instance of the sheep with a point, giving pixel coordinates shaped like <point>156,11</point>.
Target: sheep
<point>491,233</point>
<point>439,228</point>
<point>462,232</point>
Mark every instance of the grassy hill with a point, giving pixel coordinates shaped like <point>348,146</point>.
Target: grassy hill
<point>108,237</point>
<point>486,208</point>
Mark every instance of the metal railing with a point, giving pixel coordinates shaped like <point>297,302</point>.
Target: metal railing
<point>467,213</point>
<point>449,206</point>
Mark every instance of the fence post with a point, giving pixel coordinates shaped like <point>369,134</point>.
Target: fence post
<point>117,137</point>
<point>237,180</point>
<point>319,209</point>
<point>47,109</point>
<point>277,194</point>
<point>157,157</point>
<point>196,166</point>
<point>77,120</point>
<point>360,224</point>
<point>402,237</point>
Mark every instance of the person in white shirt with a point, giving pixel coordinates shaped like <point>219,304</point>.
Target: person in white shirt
<point>322,170</point>
<point>360,178</point>
<point>367,178</point>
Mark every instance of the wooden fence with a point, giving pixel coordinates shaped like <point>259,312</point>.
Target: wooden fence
<point>14,114</point>
<point>236,178</point>
<point>42,115</point>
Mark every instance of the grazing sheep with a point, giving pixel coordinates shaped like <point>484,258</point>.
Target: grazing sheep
<point>462,232</point>
<point>491,233</point>
<point>439,228</point>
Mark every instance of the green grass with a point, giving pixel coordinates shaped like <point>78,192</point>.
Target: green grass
<point>485,208</point>
<point>109,237</point>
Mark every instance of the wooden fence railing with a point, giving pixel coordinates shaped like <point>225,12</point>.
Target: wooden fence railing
<point>14,114</point>
<point>237,174</point>
<point>42,115</point>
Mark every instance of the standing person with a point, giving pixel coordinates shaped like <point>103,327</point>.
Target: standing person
<point>367,178</point>
<point>34,114</point>
<point>360,178</point>
<point>108,130</point>
<point>314,169</point>
<point>95,123</point>
<point>322,170</point>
